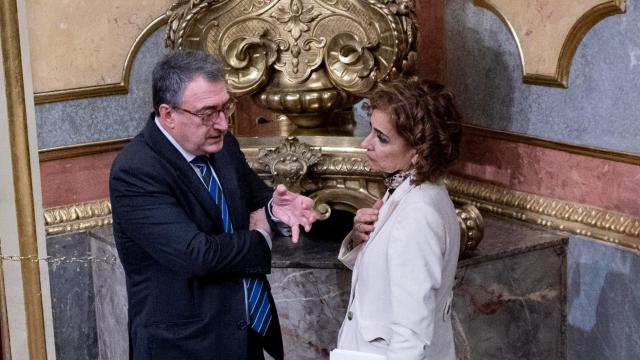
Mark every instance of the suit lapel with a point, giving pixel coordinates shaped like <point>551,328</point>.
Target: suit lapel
<point>181,168</point>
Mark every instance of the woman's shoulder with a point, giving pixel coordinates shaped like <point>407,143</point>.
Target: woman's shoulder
<point>427,195</point>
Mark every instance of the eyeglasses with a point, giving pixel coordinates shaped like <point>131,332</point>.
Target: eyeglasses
<point>210,117</point>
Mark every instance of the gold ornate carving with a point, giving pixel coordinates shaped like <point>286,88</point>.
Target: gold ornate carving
<point>341,194</point>
<point>341,181</point>
<point>342,190</point>
<point>471,228</point>
<point>548,33</point>
<point>556,214</point>
<point>79,217</point>
<point>301,58</point>
<point>289,162</point>
<point>110,89</point>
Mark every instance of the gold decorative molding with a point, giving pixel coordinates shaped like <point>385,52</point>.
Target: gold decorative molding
<point>617,156</point>
<point>548,33</point>
<point>120,88</point>
<point>471,227</point>
<point>14,88</point>
<point>343,180</point>
<point>73,151</point>
<point>289,162</point>
<point>78,217</point>
<point>556,214</point>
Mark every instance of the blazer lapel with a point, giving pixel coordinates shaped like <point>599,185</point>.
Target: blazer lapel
<point>181,168</point>
<point>388,208</point>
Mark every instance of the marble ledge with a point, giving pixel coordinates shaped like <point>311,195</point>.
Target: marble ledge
<point>319,249</point>
<point>503,238</point>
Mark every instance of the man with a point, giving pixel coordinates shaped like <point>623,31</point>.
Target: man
<point>193,225</point>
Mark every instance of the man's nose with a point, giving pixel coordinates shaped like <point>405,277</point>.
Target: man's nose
<point>221,123</point>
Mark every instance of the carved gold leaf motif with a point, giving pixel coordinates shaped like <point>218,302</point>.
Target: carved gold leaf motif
<point>301,58</point>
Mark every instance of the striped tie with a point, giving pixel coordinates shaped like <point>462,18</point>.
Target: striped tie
<point>259,308</point>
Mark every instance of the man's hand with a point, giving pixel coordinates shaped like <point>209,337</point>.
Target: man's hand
<point>294,210</point>
<point>363,222</point>
<point>258,220</point>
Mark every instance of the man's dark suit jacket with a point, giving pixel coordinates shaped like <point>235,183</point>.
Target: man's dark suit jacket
<point>184,274</point>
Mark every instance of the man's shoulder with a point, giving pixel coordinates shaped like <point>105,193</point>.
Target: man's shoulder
<point>135,152</point>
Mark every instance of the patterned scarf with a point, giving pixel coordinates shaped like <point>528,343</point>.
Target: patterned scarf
<point>392,181</point>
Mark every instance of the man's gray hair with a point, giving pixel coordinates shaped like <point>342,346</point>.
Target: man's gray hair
<point>177,69</point>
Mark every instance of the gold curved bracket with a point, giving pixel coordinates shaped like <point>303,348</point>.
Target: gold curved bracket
<point>548,33</point>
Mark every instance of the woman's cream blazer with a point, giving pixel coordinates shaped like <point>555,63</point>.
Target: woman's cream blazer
<point>402,282</point>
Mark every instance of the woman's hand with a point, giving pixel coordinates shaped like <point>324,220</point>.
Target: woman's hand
<point>363,223</point>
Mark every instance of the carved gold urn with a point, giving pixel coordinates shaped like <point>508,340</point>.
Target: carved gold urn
<point>308,62</point>
<point>304,59</point>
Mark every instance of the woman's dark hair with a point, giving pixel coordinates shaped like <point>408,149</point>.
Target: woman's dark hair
<point>426,118</point>
<point>177,69</point>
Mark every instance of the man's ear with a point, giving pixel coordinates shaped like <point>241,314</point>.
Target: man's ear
<point>166,118</point>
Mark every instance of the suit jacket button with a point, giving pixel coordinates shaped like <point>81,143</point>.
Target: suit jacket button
<point>242,325</point>
<point>349,315</point>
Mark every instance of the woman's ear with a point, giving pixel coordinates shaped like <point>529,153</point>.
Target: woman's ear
<point>414,157</point>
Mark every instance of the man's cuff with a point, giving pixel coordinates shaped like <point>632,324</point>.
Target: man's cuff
<point>267,238</point>
<point>283,229</point>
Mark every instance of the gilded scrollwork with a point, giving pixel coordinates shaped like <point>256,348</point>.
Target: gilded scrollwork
<point>553,213</point>
<point>77,217</point>
<point>289,162</point>
<point>301,58</point>
<point>471,228</point>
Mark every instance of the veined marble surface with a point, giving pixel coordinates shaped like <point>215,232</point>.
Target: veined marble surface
<point>600,107</point>
<point>603,301</point>
<point>526,293</point>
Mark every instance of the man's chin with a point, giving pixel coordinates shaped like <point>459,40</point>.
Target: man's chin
<point>214,146</point>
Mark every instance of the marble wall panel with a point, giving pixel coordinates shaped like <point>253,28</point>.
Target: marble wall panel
<point>74,315</point>
<point>75,180</point>
<point>598,109</point>
<point>311,304</point>
<point>103,118</point>
<point>109,288</point>
<point>77,43</point>
<point>603,301</point>
<point>511,307</point>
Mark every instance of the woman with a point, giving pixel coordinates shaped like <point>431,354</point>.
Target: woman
<point>404,250</point>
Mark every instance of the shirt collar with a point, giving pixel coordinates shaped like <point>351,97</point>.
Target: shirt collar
<point>187,155</point>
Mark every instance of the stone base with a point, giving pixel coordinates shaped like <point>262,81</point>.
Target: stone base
<point>509,299</point>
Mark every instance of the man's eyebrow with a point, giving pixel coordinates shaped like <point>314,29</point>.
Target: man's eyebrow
<point>210,108</point>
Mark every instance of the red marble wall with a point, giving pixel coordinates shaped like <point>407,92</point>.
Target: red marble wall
<point>75,180</point>
<point>430,42</point>
<point>552,173</point>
